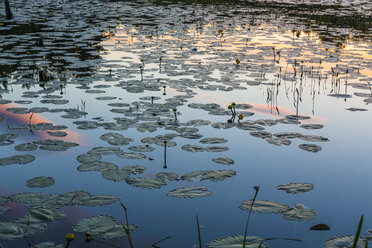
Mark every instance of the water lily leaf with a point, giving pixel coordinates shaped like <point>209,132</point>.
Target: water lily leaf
<point>278,142</point>
<point>171,176</point>
<point>105,151</point>
<point>310,147</point>
<point>3,199</point>
<point>170,143</point>
<point>18,110</point>
<point>191,176</point>
<point>294,188</point>
<point>345,242</point>
<point>189,192</point>
<point>265,207</point>
<point>40,182</point>
<point>198,122</point>
<point>55,145</point>
<point>218,175</point>
<point>57,134</point>
<point>48,245</point>
<point>132,155</point>
<point>97,166</point>
<point>25,147</point>
<point>95,225</point>
<point>88,158</point>
<point>213,140</point>
<point>145,183</point>
<point>216,148</point>
<point>224,161</point>
<point>261,134</point>
<point>237,241</point>
<point>193,148</point>
<point>314,138</point>
<point>17,159</point>
<point>287,135</point>
<point>47,215</point>
<point>29,198</point>
<point>99,200</point>
<point>116,175</point>
<point>312,126</point>
<point>11,231</point>
<point>320,227</point>
<point>144,148</point>
<point>116,139</point>
<point>299,212</point>
<point>117,231</point>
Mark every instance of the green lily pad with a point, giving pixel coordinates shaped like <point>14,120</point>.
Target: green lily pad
<point>97,166</point>
<point>145,183</point>
<point>294,188</point>
<point>237,241</point>
<point>265,207</point>
<point>189,192</point>
<point>224,161</point>
<point>11,231</point>
<point>25,147</point>
<point>88,158</point>
<point>17,159</point>
<point>345,242</point>
<point>132,155</point>
<point>213,140</point>
<point>299,212</point>
<point>116,139</point>
<point>47,214</point>
<point>310,147</point>
<point>40,182</point>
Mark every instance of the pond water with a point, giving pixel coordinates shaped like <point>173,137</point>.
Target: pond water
<point>183,108</point>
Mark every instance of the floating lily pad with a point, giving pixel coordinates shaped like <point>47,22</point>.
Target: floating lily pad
<point>88,158</point>
<point>132,155</point>
<point>218,175</point>
<point>57,134</point>
<point>116,139</point>
<point>3,210</point>
<point>193,148</point>
<point>237,241</point>
<point>189,192</point>
<point>287,135</point>
<point>97,166</point>
<point>18,110</point>
<point>314,138</point>
<point>11,231</point>
<point>261,134</point>
<point>216,148</point>
<point>17,159</point>
<point>299,212</point>
<point>310,147</point>
<point>105,151</point>
<point>116,175</point>
<point>96,225</point>
<point>145,183</point>
<point>145,148</point>
<point>198,122</point>
<point>171,176</point>
<point>312,126</point>
<point>40,182</point>
<point>48,245</point>
<point>345,242</point>
<point>224,161</point>
<point>294,188</point>
<point>213,140</point>
<point>55,145</point>
<point>26,147</point>
<point>278,142</point>
<point>265,207</point>
<point>47,215</point>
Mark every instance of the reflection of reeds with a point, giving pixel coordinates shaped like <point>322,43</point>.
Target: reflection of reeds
<point>198,226</point>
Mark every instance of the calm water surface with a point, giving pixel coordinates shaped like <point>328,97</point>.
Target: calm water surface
<point>292,64</point>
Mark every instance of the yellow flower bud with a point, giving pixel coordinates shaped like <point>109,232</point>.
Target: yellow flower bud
<point>70,236</point>
<point>229,107</point>
<point>240,117</point>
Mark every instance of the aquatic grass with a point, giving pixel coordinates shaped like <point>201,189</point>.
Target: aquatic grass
<point>256,188</point>
<point>357,234</point>
<point>8,12</point>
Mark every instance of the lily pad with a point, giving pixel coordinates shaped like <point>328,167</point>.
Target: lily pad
<point>265,207</point>
<point>17,159</point>
<point>97,166</point>
<point>189,192</point>
<point>116,139</point>
<point>145,183</point>
<point>237,241</point>
<point>294,188</point>
<point>40,182</point>
<point>345,242</point>
<point>310,147</point>
<point>25,147</point>
<point>193,148</point>
<point>224,161</point>
<point>299,212</point>
<point>132,155</point>
<point>213,140</point>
